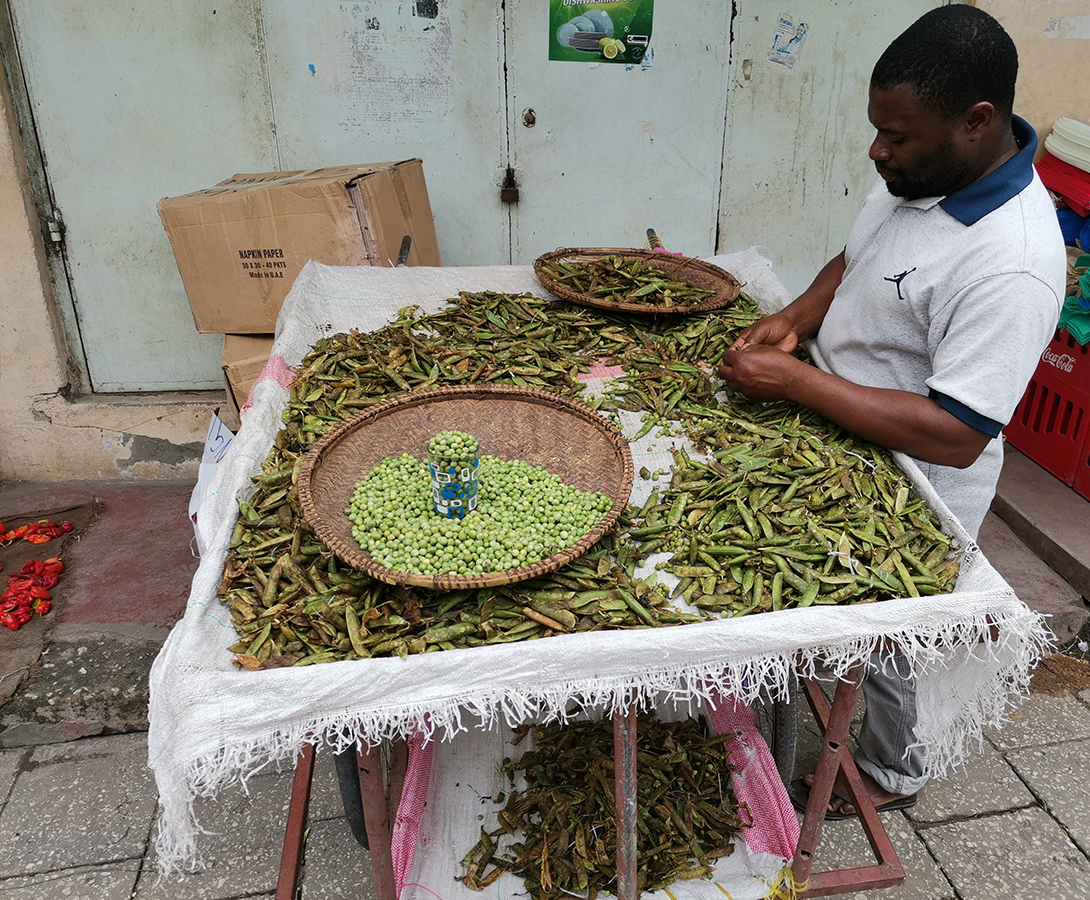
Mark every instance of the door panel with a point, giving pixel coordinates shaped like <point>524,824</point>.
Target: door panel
<point>378,80</point>
<point>133,103</point>
<point>797,139</point>
<point>616,149</point>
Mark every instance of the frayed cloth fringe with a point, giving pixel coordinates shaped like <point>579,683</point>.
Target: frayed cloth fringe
<point>1006,646</point>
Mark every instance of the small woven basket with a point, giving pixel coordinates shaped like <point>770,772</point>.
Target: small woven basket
<point>562,436</point>
<point>697,272</point>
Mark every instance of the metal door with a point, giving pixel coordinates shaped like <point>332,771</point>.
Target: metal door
<point>377,80</point>
<point>600,152</point>
<point>133,102</point>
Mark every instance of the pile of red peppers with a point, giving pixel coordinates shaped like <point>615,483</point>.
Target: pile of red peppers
<point>41,532</point>
<point>28,592</point>
<point>28,589</point>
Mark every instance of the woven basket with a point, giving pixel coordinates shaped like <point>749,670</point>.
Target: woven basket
<point>697,272</point>
<point>564,437</point>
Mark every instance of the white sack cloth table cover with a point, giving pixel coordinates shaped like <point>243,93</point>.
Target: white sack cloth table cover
<point>211,724</point>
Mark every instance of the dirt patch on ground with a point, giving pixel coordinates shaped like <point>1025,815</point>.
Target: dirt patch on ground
<point>1059,675</point>
<point>20,650</point>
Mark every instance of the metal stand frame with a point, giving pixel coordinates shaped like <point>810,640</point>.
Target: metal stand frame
<point>378,811</point>
<point>835,758</point>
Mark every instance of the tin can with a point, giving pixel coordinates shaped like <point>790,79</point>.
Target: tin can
<point>454,465</point>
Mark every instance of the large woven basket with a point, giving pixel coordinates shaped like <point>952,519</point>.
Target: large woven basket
<point>697,272</point>
<point>564,437</point>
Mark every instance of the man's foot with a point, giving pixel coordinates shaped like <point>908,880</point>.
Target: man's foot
<point>840,804</point>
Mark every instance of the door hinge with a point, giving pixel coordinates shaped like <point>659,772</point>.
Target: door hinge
<point>509,190</point>
<point>55,229</point>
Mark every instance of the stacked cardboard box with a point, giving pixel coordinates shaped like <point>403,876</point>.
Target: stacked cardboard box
<point>240,244</point>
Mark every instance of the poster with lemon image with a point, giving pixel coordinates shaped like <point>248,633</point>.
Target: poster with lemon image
<point>613,31</point>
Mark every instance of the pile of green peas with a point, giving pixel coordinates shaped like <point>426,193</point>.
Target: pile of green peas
<point>524,514</point>
<point>454,448</point>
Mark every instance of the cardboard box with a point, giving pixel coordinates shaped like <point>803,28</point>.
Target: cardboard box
<point>244,356</point>
<point>240,244</point>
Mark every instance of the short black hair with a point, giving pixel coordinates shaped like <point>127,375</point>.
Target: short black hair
<point>953,57</point>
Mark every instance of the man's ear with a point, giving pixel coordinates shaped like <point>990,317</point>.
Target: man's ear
<point>979,119</point>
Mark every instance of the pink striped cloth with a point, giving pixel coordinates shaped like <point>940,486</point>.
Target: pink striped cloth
<point>276,369</point>
<point>406,834</point>
<point>756,781</point>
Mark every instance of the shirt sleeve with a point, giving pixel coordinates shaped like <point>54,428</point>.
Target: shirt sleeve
<point>985,344</point>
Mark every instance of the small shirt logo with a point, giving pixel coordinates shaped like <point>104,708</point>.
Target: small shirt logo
<point>897,279</point>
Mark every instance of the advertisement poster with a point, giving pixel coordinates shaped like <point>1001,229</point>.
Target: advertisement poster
<point>787,42</point>
<point>613,31</point>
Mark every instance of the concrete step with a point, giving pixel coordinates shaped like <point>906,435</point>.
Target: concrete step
<point>1037,536</point>
<point>1047,516</point>
<point>1040,588</point>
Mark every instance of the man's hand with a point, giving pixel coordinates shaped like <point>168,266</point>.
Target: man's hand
<point>771,331</point>
<point>761,371</point>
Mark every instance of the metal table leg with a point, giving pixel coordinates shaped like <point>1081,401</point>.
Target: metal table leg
<point>376,816</point>
<point>376,812</point>
<point>624,794</point>
<point>291,858</point>
<point>835,757</point>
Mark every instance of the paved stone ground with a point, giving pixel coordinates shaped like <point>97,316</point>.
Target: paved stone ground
<point>77,820</point>
<point>1014,822</point>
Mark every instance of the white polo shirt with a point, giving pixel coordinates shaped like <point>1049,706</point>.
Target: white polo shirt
<point>955,298</point>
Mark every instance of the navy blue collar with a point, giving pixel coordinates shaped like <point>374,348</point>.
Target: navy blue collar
<point>974,201</point>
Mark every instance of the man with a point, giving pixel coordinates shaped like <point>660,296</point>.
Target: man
<point>926,329</point>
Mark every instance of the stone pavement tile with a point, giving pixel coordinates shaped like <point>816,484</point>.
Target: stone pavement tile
<point>78,804</point>
<point>1019,854</point>
<point>10,760</point>
<point>844,844</point>
<point>985,784</point>
<point>83,687</point>
<point>1060,776</point>
<point>336,866</point>
<point>241,852</point>
<point>1042,720</point>
<point>109,882</point>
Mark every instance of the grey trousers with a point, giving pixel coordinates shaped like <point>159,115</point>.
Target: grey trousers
<point>888,731</point>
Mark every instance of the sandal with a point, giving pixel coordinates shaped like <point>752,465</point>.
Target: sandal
<point>800,795</point>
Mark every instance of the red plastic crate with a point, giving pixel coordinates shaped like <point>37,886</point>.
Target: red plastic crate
<point>1052,422</point>
<point>1081,483</point>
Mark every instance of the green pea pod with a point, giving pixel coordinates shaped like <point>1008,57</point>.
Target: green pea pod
<point>809,595</point>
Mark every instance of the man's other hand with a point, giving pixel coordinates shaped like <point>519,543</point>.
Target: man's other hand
<point>760,371</point>
<point>772,331</point>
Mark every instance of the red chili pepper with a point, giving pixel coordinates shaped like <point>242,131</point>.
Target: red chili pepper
<point>28,590</point>
<point>65,526</point>
<point>2,528</point>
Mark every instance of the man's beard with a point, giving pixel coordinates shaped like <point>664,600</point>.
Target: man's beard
<point>935,177</point>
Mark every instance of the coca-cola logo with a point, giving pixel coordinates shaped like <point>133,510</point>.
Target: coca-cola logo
<point>1065,362</point>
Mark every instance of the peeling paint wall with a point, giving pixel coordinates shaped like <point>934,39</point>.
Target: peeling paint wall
<point>795,168</point>
<point>1053,40</point>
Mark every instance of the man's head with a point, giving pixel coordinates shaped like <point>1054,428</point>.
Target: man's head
<point>941,98</point>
